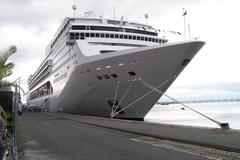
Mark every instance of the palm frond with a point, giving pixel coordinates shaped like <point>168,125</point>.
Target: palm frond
<point>5,83</point>
<point>6,73</point>
<point>6,69</point>
<point>4,55</point>
<point>9,66</point>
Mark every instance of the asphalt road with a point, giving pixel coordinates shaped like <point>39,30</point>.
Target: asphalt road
<point>51,138</point>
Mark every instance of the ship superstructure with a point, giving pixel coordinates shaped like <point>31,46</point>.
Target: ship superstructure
<point>109,68</point>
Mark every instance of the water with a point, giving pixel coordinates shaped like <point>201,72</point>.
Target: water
<point>224,112</point>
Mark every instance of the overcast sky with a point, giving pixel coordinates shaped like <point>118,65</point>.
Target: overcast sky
<point>213,73</point>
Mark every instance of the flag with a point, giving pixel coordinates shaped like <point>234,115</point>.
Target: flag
<point>179,33</point>
<point>184,13</point>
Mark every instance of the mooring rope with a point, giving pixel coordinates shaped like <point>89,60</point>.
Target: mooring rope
<point>124,95</point>
<point>152,90</point>
<point>222,125</point>
<point>115,97</point>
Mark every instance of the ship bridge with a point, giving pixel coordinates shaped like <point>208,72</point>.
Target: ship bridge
<point>106,32</point>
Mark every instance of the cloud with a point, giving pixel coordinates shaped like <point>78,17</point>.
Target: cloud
<point>30,13</point>
<point>204,92</point>
<point>34,12</point>
<point>31,24</point>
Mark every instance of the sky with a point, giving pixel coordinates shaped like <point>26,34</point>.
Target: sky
<point>212,74</point>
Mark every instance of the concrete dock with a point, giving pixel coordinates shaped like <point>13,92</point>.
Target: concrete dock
<point>66,136</point>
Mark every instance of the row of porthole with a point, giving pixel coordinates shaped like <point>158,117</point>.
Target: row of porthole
<point>61,54</point>
<point>131,73</point>
<point>65,62</point>
<point>99,68</point>
<point>59,51</point>
<point>107,76</point>
<point>60,77</point>
<point>64,54</point>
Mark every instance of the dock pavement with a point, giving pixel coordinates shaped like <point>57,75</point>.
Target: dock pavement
<point>58,136</point>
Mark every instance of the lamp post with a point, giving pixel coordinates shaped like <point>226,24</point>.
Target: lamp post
<point>14,113</point>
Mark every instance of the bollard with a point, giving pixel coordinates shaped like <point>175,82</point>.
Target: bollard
<point>225,125</point>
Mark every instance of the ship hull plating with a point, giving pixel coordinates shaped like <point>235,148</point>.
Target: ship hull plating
<point>117,78</point>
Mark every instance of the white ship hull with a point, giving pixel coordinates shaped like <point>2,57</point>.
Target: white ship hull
<point>84,93</point>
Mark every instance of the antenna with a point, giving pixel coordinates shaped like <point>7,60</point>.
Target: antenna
<point>114,14</point>
<point>184,23</point>
<point>74,7</point>
<point>146,17</point>
<point>189,32</point>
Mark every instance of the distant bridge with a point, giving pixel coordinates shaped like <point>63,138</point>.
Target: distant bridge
<point>201,101</point>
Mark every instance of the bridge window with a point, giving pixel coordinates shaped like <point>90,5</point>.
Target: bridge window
<point>82,36</point>
<point>114,29</point>
<point>76,35</point>
<point>78,27</point>
<point>73,36</point>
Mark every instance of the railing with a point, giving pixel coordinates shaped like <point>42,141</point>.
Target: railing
<point>201,101</point>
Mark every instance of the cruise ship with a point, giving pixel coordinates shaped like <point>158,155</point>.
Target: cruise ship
<point>108,68</point>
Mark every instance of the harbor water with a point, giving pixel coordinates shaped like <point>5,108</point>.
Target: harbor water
<point>224,112</point>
